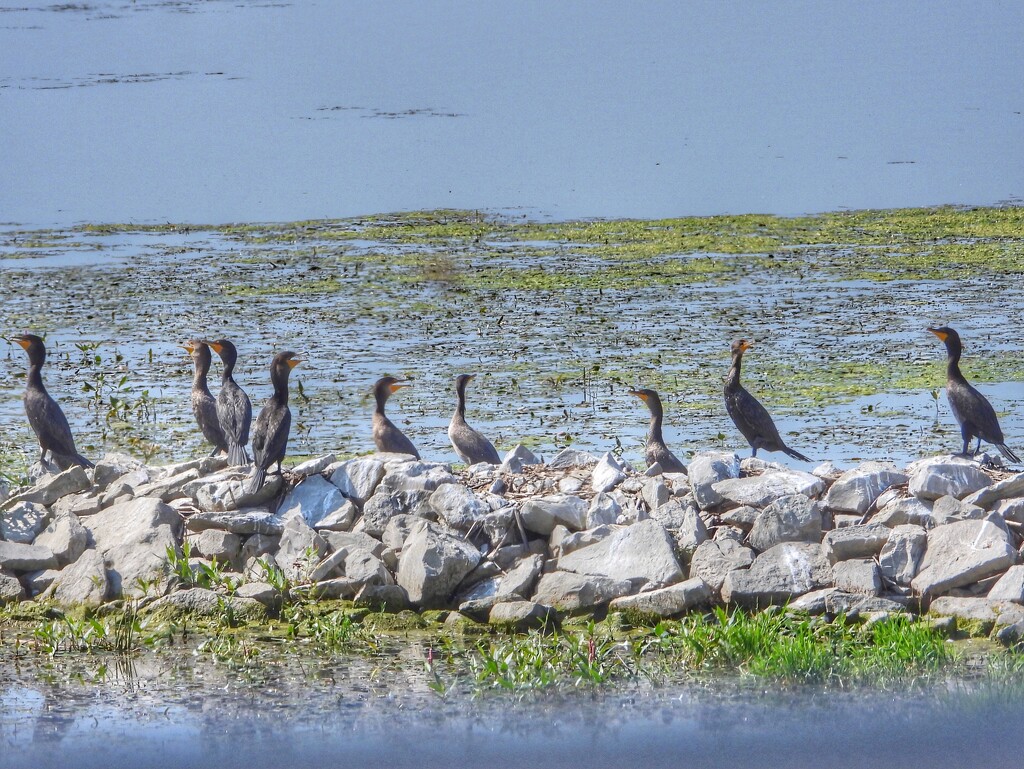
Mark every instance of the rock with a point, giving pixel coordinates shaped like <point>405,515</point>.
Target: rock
<point>654,470</point>
<point>331,566</point>
<point>714,559</point>
<point>1010,586</point>
<point>607,474</point>
<point>334,589</point>
<point>863,541</point>
<point>519,581</point>
<point>655,493</point>
<point>231,494</point>
<point>52,487</point>
<point>541,515</point>
<point>170,488</point>
<point>86,503</point>
<point>742,517</point>
<point>36,582</point>
<point>901,555</point>
<point>113,466</point>
<point>314,499</point>
<point>642,554</point>
<point>792,518</point>
<point>354,540</point>
<point>567,592</point>
<point>565,542</point>
<point>906,511</point>
<point>517,459</point>
<point>707,469</point>
<point>828,471</point>
<point>11,590</point>
<point>984,610</point>
<point>1008,488</point>
<point>15,556</point>
<point>961,553</point>
<point>207,603</point>
<point>690,533</point>
<point>855,604</point>
<point>567,459</point>
<point>205,466</point>
<point>264,592</point>
<point>948,509</point>
<point>216,545</point>
<point>378,510</point>
<point>357,479</point>
<point>409,481</point>
<point>23,522</point>
<point>815,602</point>
<point>253,520</point>
<point>300,550</point>
<point>938,476</point>
<point>604,510</point>
<point>83,583</point>
<point>390,598</point>
<point>570,484</point>
<point>779,574</point>
<point>314,466</point>
<point>340,519</point>
<point>1010,509</point>
<point>519,615</point>
<point>668,601</point>
<point>65,537</point>
<point>364,568</point>
<point>762,490</point>
<point>457,506</point>
<point>257,545</point>
<point>134,539</point>
<point>855,490</point>
<point>857,575</point>
<point>432,564</point>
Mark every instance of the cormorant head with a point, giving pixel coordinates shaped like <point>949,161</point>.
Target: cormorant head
<point>946,334</point>
<point>34,346</point>
<point>740,346</point>
<point>648,396</point>
<point>461,381</point>
<point>283,364</point>
<point>225,349</point>
<point>385,386</point>
<point>199,350</point>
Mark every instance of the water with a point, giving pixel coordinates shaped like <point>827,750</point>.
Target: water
<point>215,111</point>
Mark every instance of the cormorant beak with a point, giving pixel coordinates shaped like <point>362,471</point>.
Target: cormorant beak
<point>396,387</point>
<point>745,345</point>
<point>639,395</point>
<point>216,347</point>
<point>23,343</point>
<point>188,348</point>
<point>293,362</point>
<point>940,334</point>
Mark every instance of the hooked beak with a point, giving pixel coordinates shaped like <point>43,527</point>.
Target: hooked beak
<point>395,387</point>
<point>293,362</point>
<point>23,343</point>
<point>638,394</point>
<point>216,347</point>
<point>188,348</point>
<point>940,334</point>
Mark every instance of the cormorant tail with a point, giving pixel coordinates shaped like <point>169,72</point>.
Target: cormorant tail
<point>795,454</point>
<point>237,455</point>
<point>1005,451</point>
<point>255,482</point>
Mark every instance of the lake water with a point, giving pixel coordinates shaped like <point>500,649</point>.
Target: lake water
<point>214,111</point>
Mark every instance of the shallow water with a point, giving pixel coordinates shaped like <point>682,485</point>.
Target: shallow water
<point>214,110</point>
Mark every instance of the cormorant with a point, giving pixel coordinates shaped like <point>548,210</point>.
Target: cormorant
<point>203,404</point>
<point>234,411</point>
<point>657,451</point>
<point>386,436</point>
<point>44,414</point>
<point>972,410</point>
<point>471,446</point>
<point>749,416</point>
<point>270,438</point>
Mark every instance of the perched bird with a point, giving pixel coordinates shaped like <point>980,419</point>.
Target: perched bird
<point>44,414</point>
<point>234,411</point>
<point>203,404</point>
<point>972,410</point>
<point>471,446</point>
<point>657,451</point>
<point>386,436</point>
<point>749,416</point>
<point>270,438</point>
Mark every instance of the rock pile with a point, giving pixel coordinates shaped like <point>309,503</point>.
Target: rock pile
<point>520,542</point>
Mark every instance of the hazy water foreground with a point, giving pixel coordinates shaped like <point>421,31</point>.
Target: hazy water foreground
<point>558,319</point>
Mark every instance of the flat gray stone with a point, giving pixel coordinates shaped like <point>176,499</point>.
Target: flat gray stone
<point>23,522</point>
<point>11,590</point>
<point>300,550</point>
<point>264,592</point>
<point>52,487</point>
<point>113,466</point>
<point>378,511</point>
<point>655,493</point>
<point>855,490</point>
<point>742,517</point>
<point>65,537</point>
<point>642,553</point>
<point>567,459</point>
<point>814,602</point>
<point>567,592</point>
<point>169,488</point>
<point>708,468</point>
<point>232,493</point>
<point>207,603</point>
<point>857,604</point>
<point>604,510</point>
<point>15,556</point>
<point>340,519</point>
<point>669,601</point>
<point>1000,613</point>
<point>216,545</point>
<point>792,518</point>
<point>949,509</point>
<point>390,598</point>
<point>857,575</point>
<point>353,540</point>
<point>714,559</point>
<point>519,615</point>
<point>938,476</point>
<point>358,479</point>
<point>255,520</point>
<point>314,466</point>
<point>541,515</point>
<point>457,506</point>
<point>762,490</point>
<point>962,553</point>
<point>83,583</point>
<point>433,563</point>
<point>901,512</point>
<point>778,575</point>
<point>520,580</point>
<point>863,541</point>
<point>900,557</point>
<point>1008,488</point>
<point>314,499</point>
<point>1010,586</point>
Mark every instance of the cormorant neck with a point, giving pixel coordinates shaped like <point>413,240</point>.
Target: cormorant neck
<point>35,376</point>
<point>280,381</point>
<point>654,434</point>
<point>202,370</point>
<point>229,369</point>
<point>460,409</point>
<point>953,364</point>
<point>734,372</point>
<point>381,397</point>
